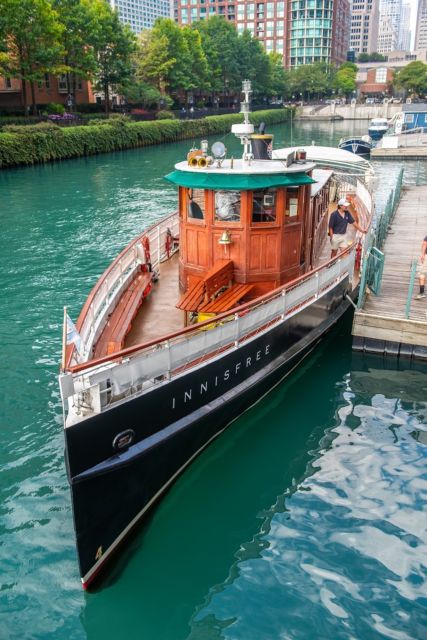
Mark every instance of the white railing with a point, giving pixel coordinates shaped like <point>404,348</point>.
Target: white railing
<point>110,286</point>
<point>153,364</point>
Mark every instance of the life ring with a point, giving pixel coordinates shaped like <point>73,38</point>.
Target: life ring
<point>168,242</point>
<point>146,246</point>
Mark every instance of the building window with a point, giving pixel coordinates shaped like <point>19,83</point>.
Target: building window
<point>264,206</point>
<point>47,80</point>
<point>196,204</point>
<point>227,206</point>
<point>62,82</point>
<point>381,75</point>
<point>8,83</point>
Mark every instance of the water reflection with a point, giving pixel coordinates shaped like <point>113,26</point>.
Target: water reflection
<point>346,553</point>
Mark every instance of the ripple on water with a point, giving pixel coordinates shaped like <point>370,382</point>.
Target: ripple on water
<point>347,557</point>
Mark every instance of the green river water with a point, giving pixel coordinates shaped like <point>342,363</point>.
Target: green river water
<point>305,520</point>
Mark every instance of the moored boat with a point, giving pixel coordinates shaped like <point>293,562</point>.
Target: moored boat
<point>360,145</point>
<point>377,128</point>
<point>197,319</point>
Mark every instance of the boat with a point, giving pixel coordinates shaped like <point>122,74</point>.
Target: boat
<point>360,145</point>
<point>377,128</point>
<point>197,319</point>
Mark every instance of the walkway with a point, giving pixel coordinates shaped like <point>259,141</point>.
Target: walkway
<point>383,317</point>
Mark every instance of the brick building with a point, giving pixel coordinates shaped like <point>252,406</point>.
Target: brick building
<point>51,89</point>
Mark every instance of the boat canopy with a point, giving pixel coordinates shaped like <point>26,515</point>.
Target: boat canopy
<point>236,182</point>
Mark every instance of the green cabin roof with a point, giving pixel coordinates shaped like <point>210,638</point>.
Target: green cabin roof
<point>236,181</point>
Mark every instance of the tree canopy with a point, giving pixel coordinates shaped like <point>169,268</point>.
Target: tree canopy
<point>412,78</point>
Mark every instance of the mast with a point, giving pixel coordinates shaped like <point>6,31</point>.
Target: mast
<point>245,130</point>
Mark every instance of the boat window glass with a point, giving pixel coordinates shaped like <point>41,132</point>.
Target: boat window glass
<point>264,205</point>
<point>196,204</point>
<point>291,202</point>
<point>227,206</point>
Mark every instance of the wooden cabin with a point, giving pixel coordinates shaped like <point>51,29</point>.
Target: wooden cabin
<point>258,224</point>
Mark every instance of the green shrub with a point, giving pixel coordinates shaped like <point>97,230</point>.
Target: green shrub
<point>165,115</point>
<point>46,141</point>
<point>53,107</point>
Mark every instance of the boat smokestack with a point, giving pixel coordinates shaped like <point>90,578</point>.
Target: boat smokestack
<point>262,146</point>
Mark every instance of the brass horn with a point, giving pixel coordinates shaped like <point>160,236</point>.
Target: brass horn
<point>202,162</point>
<point>194,161</point>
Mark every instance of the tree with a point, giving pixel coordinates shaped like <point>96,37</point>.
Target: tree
<point>220,44</point>
<point>153,60</point>
<point>199,76</point>
<point>371,57</point>
<point>79,56</point>
<point>412,78</point>
<point>32,33</point>
<point>312,79</point>
<point>278,77</point>
<point>253,63</point>
<point>345,78</point>
<point>113,44</point>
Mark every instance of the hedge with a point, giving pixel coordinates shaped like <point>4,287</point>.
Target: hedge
<point>33,145</point>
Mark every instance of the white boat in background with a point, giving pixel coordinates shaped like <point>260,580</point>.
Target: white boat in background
<point>377,128</point>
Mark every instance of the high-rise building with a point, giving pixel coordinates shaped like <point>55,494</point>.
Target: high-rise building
<point>387,35</point>
<point>404,43</point>
<point>303,31</point>
<point>421,31</point>
<point>364,25</point>
<point>142,14</point>
<point>390,20</point>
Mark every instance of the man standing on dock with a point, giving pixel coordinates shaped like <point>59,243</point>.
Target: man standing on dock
<point>422,269</point>
<point>338,223</point>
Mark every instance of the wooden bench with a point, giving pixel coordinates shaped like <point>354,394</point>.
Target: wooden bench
<point>120,322</point>
<point>219,276</point>
<point>191,299</point>
<point>226,300</point>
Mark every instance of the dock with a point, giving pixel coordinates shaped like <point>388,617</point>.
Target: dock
<point>410,145</point>
<point>394,322</point>
<point>408,153</point>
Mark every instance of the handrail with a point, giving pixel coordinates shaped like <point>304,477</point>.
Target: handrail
<point>410,288</point>
<point>103,281</point>
<point>267,297</point>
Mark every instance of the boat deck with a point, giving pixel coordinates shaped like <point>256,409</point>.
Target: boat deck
<point>158,315</point>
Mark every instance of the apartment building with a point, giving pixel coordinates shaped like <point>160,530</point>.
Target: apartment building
<point>421,29</point>
<point>302,31</point>
<point>142,14</point>
<point>364,24</point>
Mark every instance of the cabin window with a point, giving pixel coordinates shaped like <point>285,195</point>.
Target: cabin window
<point>409,117</point>
<point>196,204</point>
<point>292,203</point>
<point>227,206</point>
<point>264,205</point>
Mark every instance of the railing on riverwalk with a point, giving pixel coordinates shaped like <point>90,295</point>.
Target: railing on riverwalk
<point>138,368</point>
<point>113,282</point>
<point>410,288</point>
<point>373,262</point>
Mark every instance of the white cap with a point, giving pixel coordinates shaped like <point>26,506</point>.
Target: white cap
<point>342,202</point>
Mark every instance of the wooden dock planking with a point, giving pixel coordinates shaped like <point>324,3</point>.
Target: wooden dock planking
<point>383,316</point>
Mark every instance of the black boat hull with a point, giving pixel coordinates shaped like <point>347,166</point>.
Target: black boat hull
<point>172,424</point>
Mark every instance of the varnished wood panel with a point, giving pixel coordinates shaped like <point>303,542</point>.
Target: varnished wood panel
<point>196,247</point>
<point>264,251</point>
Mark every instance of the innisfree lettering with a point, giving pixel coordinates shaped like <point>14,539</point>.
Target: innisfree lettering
<point>190,394</point>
